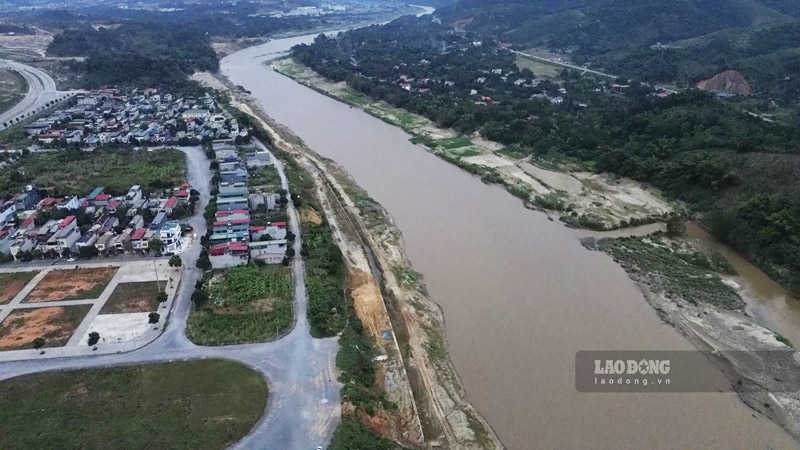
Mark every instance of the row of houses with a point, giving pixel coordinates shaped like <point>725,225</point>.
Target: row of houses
<point>107,116</point>
<point>234,240</point>
<point>105,228</point>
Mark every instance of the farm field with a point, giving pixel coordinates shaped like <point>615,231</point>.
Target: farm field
<point>197,405</point>
<point>11,283</point>
<point>243,304</point>
<point>133,297</point>
<point>55,324</point>
<point>71,284</point>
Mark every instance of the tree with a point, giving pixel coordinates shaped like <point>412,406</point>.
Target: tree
<point>162,297</point>
<point>676,226</point>
<point>38,343</point>
<point>94,338</point>
<point>203,262</point>
<point>156,245</point>
<point>175,261</point>
<point>154,317</point>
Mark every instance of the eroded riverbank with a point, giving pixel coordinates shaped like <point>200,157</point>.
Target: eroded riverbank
<point>520,294</point>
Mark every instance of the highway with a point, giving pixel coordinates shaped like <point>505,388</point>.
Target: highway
<point>41,89</point>
<point>563,64</point>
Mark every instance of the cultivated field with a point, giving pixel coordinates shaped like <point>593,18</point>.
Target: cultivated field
<point>133,298</point>
<point>195,405</point>
<point>11,283</point>
<point>55,324</point>
<point>245,304</point>
<point>72,284</point>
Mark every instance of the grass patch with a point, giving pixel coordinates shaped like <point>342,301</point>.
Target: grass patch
<point>555,201</point>
<point>679,278</point>
<point>351,434</point>
<point>245,304</point>
<point>11,283</point>
<point>77,172</point>
<point>265,176</point>
<point>134,297</point>
<point>12,89</point>
<point>55,324</point>
<point>194,405</point>
<point>453,143</point>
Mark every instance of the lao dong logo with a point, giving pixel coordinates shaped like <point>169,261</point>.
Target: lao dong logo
<point>631,367</point>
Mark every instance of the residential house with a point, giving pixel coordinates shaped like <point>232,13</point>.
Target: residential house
<point>231,203</point>
<point>237,175</point>
<point>170,235</point>
<point>228,254</point>
<point>232,190</point>
<point>158,221</point>
<point>270,252</point>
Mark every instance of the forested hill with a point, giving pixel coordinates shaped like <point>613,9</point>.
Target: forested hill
<point>738,170</point>
<point>596,26</point>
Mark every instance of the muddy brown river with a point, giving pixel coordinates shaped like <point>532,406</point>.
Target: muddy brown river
<point>519,293</point>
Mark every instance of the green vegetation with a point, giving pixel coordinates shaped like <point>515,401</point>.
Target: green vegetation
<point>739,172</point>
<point>351,434</point>
<point>140,296</point>
<point>195,405</point>
<point>77,172</point>
<point>12,89</point>
<point>242,304</point>
<point>553,200</point>
<point>672,271</point>
<point>327,303</point>
<point>452,143</point>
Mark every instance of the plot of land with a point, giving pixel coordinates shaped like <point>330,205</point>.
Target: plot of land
<point>133,298</point>
<point>11,283</point>
<point>56,324</point>
<point>72,284</point>
<point>195,405</point>
<point>246,304</point>
<point>12,89</point>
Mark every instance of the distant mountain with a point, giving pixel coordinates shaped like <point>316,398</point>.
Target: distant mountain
<point>596,26</point>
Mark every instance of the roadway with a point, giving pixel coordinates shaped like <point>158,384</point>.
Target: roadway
<point>41,90</point>
<point>303,407</point>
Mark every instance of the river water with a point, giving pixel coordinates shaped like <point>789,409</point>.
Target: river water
<point>520,294</point>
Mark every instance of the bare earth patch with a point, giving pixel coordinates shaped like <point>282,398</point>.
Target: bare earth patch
<point>11,283</point>
<point>55,324</point>
<point>133,297</point>
<point>309,215</point>
<point>72,284</point>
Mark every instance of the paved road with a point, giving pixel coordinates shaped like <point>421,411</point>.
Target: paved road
<point>41,89</point>
<point>563,64</point>
<point>303,407</point>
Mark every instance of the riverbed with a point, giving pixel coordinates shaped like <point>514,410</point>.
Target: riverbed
<point>520,294</point>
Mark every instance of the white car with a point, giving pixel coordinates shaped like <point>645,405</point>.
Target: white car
<point>71,260</point>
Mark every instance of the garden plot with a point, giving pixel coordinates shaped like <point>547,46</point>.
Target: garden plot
<point>55,324</point>
<point>72,284</point>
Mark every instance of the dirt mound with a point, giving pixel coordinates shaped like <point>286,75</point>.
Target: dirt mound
<point>729,81</point>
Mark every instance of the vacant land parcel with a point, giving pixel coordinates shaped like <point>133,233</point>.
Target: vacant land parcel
<point>197,405</point>
<point>134,297</point>
<point>55,324</point>
<point>72,284</point>
<point>11,283</point>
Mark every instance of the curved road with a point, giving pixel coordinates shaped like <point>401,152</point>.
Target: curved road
<point>41,89</point>
<point>303,407</point>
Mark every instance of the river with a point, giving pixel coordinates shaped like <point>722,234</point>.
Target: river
<point>520,294</point>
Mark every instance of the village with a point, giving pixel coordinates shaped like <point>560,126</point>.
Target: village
<point>147,118</point>
<point>95,224</point>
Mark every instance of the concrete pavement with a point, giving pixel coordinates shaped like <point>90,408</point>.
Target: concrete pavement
<point>304,406</point>
<point>41,90</point>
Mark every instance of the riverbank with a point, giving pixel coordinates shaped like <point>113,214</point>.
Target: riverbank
<point>690,286</point>
<point>579,198</point>
<point>435,411</point>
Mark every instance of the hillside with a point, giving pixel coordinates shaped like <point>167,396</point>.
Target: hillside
<point>593,27</point>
